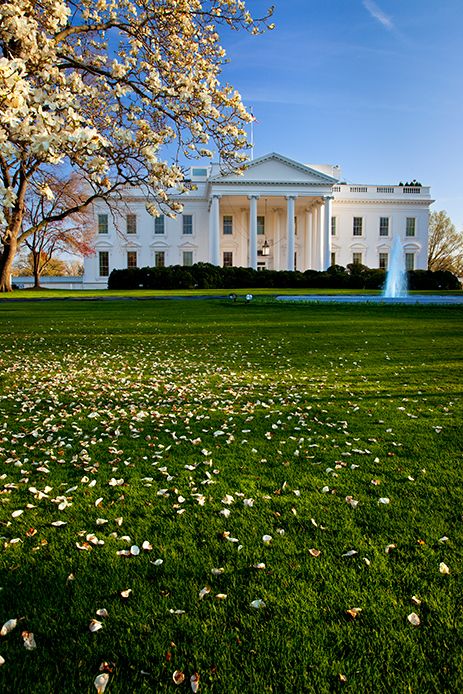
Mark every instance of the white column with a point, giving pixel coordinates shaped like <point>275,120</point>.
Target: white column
<point>320,258</point>
<point>244,237</point>
<point>308,239</point>
<point>313,245</point>
<point>277,240</point>
<point>327,233</point>
<point>290,231</point>
<point>253,231</point>
<point>214,231</point>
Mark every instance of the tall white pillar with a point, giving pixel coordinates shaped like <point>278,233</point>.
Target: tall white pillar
<point>320,255</point>
<point>277,240</point>
<point>243,260</point>
<point>327,233</point>
<point>313,245</point>
<point>290,231</point>
<point>308,240</point>
<point>214,231</point>
<point>253,231</point>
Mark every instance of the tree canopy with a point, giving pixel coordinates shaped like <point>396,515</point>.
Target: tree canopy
<point>445,250</point>
<point>120,91</point>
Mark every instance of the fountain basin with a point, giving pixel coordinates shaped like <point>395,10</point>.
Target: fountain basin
<point>410,299</point>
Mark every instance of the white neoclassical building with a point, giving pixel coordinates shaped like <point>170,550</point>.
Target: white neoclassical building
<point>279,215</point>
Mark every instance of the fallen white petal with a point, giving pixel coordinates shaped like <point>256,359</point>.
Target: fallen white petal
<point>8,626</point>
<point>414,619</point>
<point>101,681</point>
<point>29,640</point>
<point>194,682</point>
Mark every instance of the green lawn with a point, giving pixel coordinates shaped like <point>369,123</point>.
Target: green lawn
<point>166,293</point>
<point>132,422</point>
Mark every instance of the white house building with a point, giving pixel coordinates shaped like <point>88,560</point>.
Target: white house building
<point>279,214</point>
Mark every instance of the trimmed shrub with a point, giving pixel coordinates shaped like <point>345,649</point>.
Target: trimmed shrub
<point>207,276</point>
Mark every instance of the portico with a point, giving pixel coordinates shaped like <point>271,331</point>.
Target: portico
<point>277,216</point>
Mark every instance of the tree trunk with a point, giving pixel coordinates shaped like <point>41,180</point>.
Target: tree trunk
<point>6,263</point>
<point>36,269</point>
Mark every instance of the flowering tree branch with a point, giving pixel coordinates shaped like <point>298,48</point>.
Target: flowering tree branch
<point>120,91</point>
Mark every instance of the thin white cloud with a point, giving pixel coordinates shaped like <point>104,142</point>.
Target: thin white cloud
<point>378,14</point>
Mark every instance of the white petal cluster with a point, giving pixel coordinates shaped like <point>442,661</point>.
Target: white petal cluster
<point>104,85</point>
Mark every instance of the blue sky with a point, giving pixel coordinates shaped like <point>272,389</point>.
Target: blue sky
<point>375,86</point>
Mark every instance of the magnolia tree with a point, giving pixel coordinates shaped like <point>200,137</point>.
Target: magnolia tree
<point>109,88</point>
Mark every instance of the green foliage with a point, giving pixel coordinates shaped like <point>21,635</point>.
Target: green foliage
<point>305,397</point>
<point>207,276</point>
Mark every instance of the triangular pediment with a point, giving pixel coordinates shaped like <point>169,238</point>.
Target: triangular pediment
<point>275,168</point>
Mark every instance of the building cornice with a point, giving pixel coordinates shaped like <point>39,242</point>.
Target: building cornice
<point>384,201</point>
<point>257,183</point>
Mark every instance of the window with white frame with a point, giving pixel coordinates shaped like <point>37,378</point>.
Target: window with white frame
<point>131,221</point>
<point>187,222</point>
<point>227,224</point>
<point>357,258</point>
<point>159,224</point>
<point>333,226</point>
<point>159,259</point>
<point>131,259</point>
<point>410,227</point>
<point>227,258</point>
<point>409,261</point>
<point>383,261</point>
<point>187,258</point>
<point>384,226</point>
<point>357,226</point>
<point>333,258</point>
<point>260,225</point>
<point>103,262</point>
<point>102,223</point>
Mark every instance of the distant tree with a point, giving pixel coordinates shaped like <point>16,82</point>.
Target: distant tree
<point>50,234</point>
<point>120,91</point>
<point>445,244</point>
<point>32,263</point>
<point>75,268</point>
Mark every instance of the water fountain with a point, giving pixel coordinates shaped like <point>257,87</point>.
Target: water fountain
<point>396,277</point>
<point>395,288</point>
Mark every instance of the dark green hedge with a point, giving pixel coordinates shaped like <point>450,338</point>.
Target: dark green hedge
<point>207,276</point>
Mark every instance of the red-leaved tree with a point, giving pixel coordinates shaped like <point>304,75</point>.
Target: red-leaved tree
<point>48,197</point>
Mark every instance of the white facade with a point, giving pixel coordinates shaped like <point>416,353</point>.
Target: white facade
<point>278,215</point>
